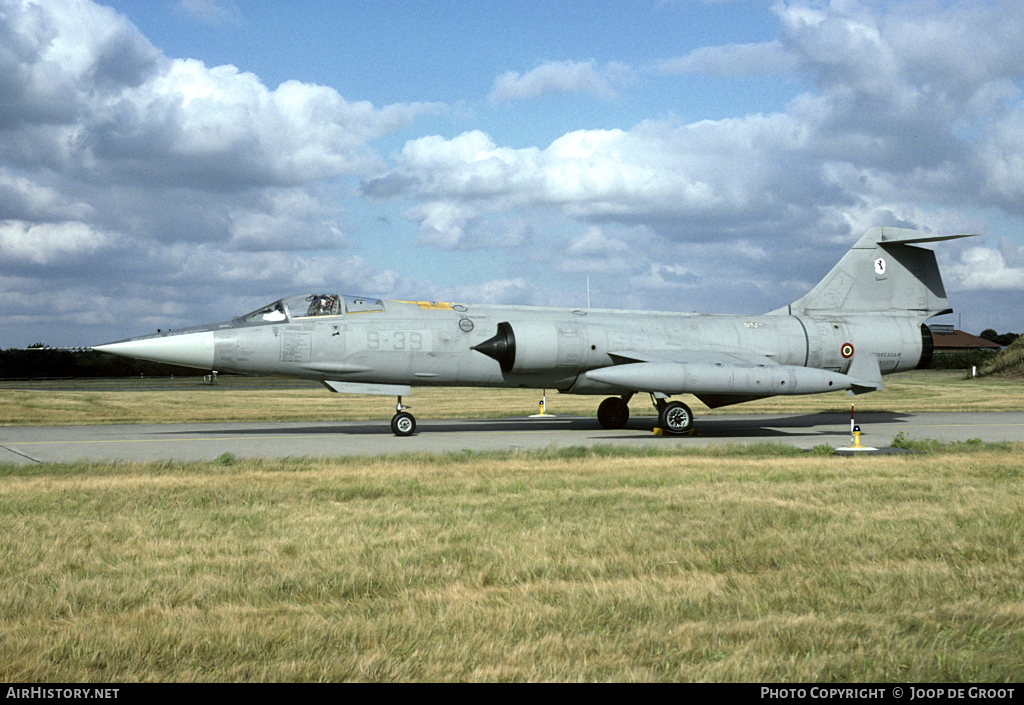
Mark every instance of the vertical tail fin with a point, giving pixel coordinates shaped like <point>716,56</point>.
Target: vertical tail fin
<point>882,273</point>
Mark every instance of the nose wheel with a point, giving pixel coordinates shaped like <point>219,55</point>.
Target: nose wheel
<point>403,423</point>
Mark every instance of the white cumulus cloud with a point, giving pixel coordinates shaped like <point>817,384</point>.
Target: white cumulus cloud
<point>981,268</point>
<point>47,243</point>
<point>562,77</point>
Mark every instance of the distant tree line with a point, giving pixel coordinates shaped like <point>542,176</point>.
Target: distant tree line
<point>1003,339</point>
<point>39,361</point>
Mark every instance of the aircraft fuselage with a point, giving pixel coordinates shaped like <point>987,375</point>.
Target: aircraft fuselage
<point>426,344</point>
<point>863,320</point>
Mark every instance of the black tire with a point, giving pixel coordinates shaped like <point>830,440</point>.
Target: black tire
<point>676,418</point>
<point>403,424</point>
<point>613,413</point>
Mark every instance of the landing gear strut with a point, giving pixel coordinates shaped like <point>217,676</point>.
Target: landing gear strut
<point>403,423</point>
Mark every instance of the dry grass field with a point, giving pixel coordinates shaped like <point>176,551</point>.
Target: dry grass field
<point>1009,363</point>
<point>749,563</point>
<point>735,564</point>
<point>194,402</point>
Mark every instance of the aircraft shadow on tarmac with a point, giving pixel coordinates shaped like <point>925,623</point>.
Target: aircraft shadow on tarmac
<point>373,428</point>
<point>758,423</point>
<point>739,426</point>
<point>781,426</point>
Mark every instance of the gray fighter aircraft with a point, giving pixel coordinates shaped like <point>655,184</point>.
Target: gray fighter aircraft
<point>863,320</point>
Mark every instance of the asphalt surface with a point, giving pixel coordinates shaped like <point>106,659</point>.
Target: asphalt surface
<point>59,444</point>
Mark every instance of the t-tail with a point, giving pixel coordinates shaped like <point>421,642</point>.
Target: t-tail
<point>882,273</point>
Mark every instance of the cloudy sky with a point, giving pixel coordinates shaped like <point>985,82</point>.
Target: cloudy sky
<point>174,162</point>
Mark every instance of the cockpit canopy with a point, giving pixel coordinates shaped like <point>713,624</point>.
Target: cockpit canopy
<point>311,305</point>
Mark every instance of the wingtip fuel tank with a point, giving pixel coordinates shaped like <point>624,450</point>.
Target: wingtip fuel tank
<point>740,379</point>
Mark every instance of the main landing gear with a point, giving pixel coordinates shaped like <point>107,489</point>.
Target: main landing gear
<point>403,423</point>
<point>674,417</point>
<point>613,412</point>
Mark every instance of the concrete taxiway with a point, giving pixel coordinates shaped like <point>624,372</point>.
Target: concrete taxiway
<point>148,442</point>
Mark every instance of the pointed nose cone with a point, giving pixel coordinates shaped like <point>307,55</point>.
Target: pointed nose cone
<point>185,349</point>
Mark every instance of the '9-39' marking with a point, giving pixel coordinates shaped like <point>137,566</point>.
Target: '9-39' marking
<point>398,340</point>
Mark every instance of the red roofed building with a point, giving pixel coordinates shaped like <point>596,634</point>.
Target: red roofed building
<point>948,340</point>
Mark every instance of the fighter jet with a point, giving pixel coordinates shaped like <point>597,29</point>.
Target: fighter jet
<point>863,320</point>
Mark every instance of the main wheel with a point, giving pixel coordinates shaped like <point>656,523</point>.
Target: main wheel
<point>676,417</point>
<point>613,412</point>
<point>403,424</point>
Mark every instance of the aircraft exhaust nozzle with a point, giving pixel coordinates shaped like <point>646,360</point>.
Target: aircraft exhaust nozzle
<point>185,349</point>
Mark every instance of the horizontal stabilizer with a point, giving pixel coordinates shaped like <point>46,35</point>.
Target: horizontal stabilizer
<point>908,237</point>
